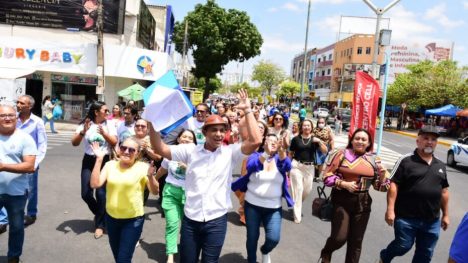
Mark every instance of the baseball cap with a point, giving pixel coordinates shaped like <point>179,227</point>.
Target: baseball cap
<point>429,130</point>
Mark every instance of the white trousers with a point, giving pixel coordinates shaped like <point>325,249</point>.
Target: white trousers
<point>302,178</point>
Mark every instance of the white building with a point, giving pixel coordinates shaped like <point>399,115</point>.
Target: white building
<point>57,51</point>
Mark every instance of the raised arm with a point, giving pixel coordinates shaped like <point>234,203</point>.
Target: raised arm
<point>97,178</point>
<point>254,138</point>
<point>157,143</point>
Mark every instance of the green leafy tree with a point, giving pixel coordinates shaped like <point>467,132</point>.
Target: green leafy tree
<point>430,84</point>
<point>213,84</point>
<point>252,91</point>
<point>268,74</point>
<point>217,36</point>
<point>289,88</point>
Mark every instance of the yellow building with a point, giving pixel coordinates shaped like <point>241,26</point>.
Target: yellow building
<point>351,54</point>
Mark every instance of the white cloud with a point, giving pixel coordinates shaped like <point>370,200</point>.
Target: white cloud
<point>437,13</point>
<point>277,43</point>
<point>291,6</point>
<point>459,48</point>
<point>272,10</point>
<point>465,4</point>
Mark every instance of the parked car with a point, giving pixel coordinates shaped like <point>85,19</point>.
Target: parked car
<point>321,112</point>
<point>345,118</point>
<point>295,108</point>
<point>458,153</point>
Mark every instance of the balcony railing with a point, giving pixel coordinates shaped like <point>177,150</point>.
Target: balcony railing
<point>324,64</point>
<point>322,78</point>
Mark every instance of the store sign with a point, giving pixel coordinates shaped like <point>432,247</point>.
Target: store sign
<point>402,55</point>
<point>78,15</point>
<point>26,53</point>
<point>74,79</point>
<point>136,63</point>
<point>12,89</point>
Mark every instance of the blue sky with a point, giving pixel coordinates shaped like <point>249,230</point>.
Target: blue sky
<point>282,24</point>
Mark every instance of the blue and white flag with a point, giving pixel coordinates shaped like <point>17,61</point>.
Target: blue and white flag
<point>166,105</point>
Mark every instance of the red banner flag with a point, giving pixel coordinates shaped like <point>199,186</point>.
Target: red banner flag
<point>365,103</point>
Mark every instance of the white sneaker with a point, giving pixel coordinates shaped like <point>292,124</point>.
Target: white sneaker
<point>266,258</point>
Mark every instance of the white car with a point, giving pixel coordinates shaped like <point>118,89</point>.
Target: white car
<point>458,152</point>
<point>321,112</point>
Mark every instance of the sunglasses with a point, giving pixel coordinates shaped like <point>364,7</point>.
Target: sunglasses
<point>124,149</point>
<point>201,111</point>
<point>278,119</point>
<point>140,126</point>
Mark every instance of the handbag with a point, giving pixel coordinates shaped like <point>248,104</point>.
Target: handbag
<point>322,206</point>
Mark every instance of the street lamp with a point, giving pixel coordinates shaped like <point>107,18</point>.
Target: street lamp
<point>379,12</point>
<point>305,52</point>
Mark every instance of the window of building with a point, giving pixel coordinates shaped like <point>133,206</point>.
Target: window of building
<point>321,86</point>
<point>342,51</point>
<point>323,72</point>
<point>318,60</point>
<point>368,50</point>
<point>328,72</point>
<point>317,74</point>
<point>351,51</point>
<point>359,50</point>
<point>330,57</point>
<point>316,86</point>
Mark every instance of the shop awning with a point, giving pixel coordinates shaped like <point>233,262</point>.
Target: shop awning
<point>14,73</point>
<point>447,110</point>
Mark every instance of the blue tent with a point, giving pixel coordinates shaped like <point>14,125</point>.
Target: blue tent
<point>447,110</point>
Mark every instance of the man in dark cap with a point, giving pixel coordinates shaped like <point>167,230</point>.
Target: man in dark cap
<point>208,181</point>
<point>417,194</point>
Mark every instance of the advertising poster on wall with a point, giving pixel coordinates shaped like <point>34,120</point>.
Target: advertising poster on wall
<point>12,89</point>
<point>403,54</point>
<point>79,15</point>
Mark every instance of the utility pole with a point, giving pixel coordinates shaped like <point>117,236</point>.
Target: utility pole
<point>184,57</point>
<point>379,12</point>
<point>305,53</point>
<point>100,53</point>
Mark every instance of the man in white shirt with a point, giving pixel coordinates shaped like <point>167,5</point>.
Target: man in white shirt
<point>126,128</point>
<point>208,182</point>
<point>196,123</point>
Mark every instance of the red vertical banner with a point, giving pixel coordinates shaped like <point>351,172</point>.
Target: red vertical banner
<point>365,103</point>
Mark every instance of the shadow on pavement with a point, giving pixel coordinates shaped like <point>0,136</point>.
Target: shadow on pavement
<point>78,226</point>
<point>156,251</point>
<point>233,218</point>
<point>288,214</point>
<point>232,258</point>
<point>3,259</point>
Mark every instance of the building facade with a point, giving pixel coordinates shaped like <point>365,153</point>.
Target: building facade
<point>60,59</point>
<point>322,75</point>
<point>298,64</point>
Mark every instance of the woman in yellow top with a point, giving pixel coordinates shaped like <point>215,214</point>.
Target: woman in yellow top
<point>125,181</point>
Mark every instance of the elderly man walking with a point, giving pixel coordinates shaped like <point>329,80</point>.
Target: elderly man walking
<point>208,181</point>
<point>417,194</point>
<point>17,157</point>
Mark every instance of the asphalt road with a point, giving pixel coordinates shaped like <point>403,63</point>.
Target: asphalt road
<point>64,229</point>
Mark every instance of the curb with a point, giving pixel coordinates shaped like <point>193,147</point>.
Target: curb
<point>415,136</point>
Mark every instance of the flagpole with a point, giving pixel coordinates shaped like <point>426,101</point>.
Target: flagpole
<point>384,102</point>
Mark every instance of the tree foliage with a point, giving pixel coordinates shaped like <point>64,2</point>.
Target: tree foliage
<point>213,84</point>
<point>268,74</point>
<point>430,84</point>
<point>289,88</point>
<point>217,36</point>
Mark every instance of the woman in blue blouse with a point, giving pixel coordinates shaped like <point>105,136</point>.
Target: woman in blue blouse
<point>265,184</point>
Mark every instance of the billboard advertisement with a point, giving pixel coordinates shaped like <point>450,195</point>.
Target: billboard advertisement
<point>146,27</point>
<point>402,55</point>
<point>78,15</point>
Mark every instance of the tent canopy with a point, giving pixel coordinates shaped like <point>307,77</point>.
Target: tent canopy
<point>447,110</point>
<point>134,92</point>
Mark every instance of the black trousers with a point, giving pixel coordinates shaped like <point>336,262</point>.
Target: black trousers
<point>351,212</point>
<point>95,199</point>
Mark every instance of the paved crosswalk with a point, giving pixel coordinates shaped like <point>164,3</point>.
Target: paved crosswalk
<point>58,139</point>
<point>388,156</point>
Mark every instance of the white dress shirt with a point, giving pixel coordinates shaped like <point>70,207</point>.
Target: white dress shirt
<point>208,179</point>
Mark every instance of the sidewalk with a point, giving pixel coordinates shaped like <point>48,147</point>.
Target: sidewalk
<point>62,126</point>
<point>414,133</point>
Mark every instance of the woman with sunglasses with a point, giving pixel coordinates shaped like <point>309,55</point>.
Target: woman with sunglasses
<point>147,154</point>
<point>264,185</point>
<point>302,151</point>
<point>324,133</point>
<point>174,194</point>
<point>95,128</point>
<point>125,180</point>
<point>279,128</point>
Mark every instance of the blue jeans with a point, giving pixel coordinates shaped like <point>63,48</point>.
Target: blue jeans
<point>207,237</point>
<point>409,230</point>
<point>51,120</point>
<point>32,199</point>
<point>271,219</point>
<point>14,206</point>
<point>32,194</point>
<point>123,236</point>
<point>96,205</point>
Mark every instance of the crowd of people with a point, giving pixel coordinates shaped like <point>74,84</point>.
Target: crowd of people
<point>191,169</point>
